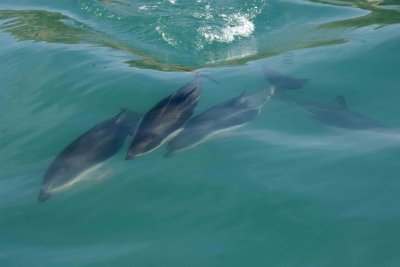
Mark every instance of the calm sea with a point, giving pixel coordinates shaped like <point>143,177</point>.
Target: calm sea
<point>286,189</point>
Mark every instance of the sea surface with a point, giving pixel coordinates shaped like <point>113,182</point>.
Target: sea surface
<point>283,190</point>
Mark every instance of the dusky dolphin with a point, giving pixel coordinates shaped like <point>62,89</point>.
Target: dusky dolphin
<point>165,119</point>
<point>226,116</point>
<point>336,114</point>
<point>88,150</point>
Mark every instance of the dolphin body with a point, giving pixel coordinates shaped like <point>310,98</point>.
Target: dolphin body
<point>88,150</point>
<point>165,119</point>
<point>223,117</point>
<point>336,114</point>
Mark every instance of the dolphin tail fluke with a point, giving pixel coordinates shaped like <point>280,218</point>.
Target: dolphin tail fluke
<point>283,82</point>
<point>43,196</point>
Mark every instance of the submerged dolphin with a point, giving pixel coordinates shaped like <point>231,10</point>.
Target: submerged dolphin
<point>88,150</point>
<point>226,116</point>
<point>165,119</point>
<point>337,114</point>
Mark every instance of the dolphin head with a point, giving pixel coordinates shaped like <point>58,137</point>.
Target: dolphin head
<point>43,195</point>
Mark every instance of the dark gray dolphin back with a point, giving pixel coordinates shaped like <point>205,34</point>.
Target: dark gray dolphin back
<point>93,147</point>
<point>166,117</point>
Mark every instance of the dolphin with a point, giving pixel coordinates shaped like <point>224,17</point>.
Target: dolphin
<point>226,116</point>
<point>165,119</point>
<point>88,150</point>
<point>337,114</point>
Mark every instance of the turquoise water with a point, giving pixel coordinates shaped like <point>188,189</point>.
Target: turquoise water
<point>284,190</point>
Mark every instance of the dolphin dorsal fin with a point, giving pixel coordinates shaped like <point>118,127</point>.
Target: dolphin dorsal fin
<point>239,99</point>
<point>243,93</point>
<point>117,118</point>
<point>340,102</point>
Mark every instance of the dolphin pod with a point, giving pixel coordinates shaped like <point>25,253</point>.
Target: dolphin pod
<point>170,121</point>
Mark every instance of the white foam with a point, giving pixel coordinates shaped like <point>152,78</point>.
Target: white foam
<point>166,37</point>
<point>236,25</point>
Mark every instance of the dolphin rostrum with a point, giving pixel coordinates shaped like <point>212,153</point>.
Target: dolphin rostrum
<point>88,150</point>
<point>223,117</point>
<point>165,119</point>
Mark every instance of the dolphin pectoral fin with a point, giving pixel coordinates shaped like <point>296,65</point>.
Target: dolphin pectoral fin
<point>339,103</point>
<point>240,99</point>
<point>283,82</point>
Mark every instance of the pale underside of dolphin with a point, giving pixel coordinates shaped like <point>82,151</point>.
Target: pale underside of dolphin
<point>165,119</point>
<point>226,116</point>
<point>87,152</point>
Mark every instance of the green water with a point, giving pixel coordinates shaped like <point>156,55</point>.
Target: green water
<point>284,190</point>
